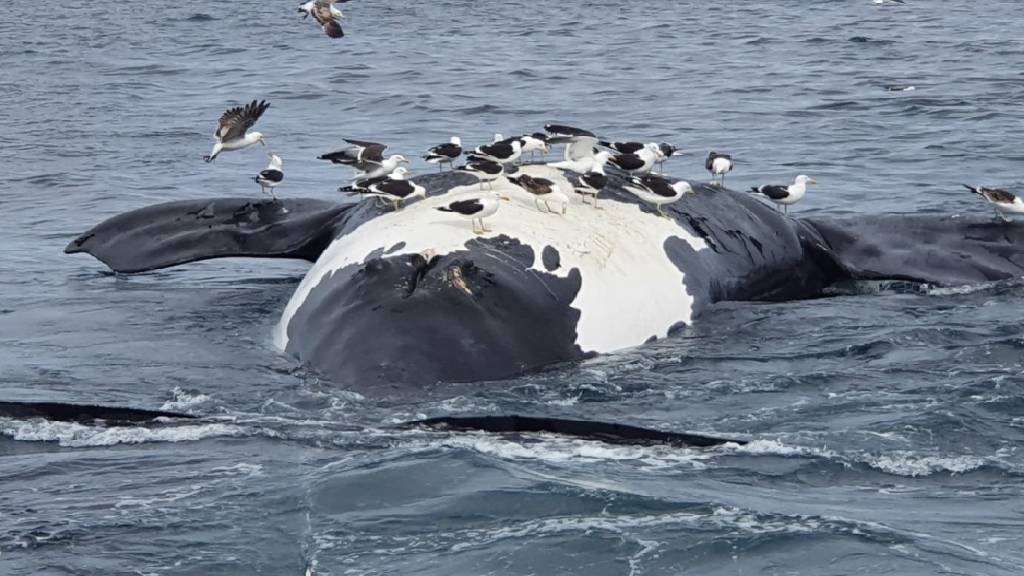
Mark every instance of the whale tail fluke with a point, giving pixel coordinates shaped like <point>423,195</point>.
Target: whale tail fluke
<point>586,429</point>
<point>175,233</point>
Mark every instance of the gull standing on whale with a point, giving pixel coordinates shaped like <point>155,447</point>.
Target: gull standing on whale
<point>658,191</point>
<point>446,153</point>
<point>232,128</point>
<point>502,152</point>
<point>476,209</point>
<point>485,170</point>
<point>272,176</point>
<point>579,143</point>
<point>718,165</point>
<point>543,190</point>
<point>785,195</point>
<point>584,165</point>
<point>1002,201</point>
<point>640,162</point>
<point>396,189</point>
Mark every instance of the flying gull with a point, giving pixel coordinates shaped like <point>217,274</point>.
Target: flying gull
<point>446,153</point>
<point>365,157</point>
<point>785,195</point>
<point>232,128</point>
<point>272,176</point>
<point>326,15</point>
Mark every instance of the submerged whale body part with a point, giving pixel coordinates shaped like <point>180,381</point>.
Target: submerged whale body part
<point>416,297</point>
<point>610,433</point>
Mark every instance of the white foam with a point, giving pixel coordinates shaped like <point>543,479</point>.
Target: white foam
<point>556,449</point>
<point>72,434</point>
<point>903,463</point>
<point>183,400</point>
<point>630,289</point>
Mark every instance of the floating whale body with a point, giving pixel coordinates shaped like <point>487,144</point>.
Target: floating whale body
<point>415,296</point>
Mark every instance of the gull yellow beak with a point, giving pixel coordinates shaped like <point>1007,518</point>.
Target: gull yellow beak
<point>505,198</point>
<point>812,180</point>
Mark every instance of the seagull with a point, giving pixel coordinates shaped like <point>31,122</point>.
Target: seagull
<point>446,153</point>
<point>503,152</point>
<point>307,9</point>
<point>1002,201</point>
<point>667,151</point>
<point>586,164</point>
<point>642,162</point>
<point>476,209</point>
<point>623,147</point>
<point>785,195</point>
<point>543,190</point>
<point>531,143</point>
<point>484,170</point>
<point>579,143</point>
<point>365,157</point>
<point>658,191</point>
<point>718,165</point>
<point>231,130</point>
<point>326,15</point>
<point>272,176</point>
<point>591,184</point>
<point>396,189</point>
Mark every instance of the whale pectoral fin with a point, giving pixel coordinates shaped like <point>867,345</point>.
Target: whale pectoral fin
<point>935,249</point>
<point>601,431</point>
<point>174,233</point>
<point>83,413</point>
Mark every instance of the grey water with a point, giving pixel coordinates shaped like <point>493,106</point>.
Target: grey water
<point>885,421</point>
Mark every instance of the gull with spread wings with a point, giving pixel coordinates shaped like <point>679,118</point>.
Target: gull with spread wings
<point>234,123</point>
<point>366,157</point>
<point>326,15</point>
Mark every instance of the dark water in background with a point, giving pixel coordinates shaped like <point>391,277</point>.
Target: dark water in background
<point>886,426</point>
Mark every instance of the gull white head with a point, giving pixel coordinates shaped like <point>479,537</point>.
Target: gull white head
<point>805,180</point>
<point>498,137</point>
<point>601,158</point>
<point>254,137</point>
<point>400,173</point>
<point>456,140</point>
<point>399,159</point>
<point>275,162</point>
<point>682,187</point>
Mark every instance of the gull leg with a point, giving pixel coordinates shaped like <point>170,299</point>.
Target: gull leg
<point>483,227</point>
<point>660,211</point>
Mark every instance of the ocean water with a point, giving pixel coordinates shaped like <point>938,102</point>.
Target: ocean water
<point>885,422</point>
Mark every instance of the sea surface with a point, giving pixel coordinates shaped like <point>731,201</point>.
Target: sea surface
<point>885,422</point>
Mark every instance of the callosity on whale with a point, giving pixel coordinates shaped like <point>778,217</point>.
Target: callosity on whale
<point>415,296</point>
